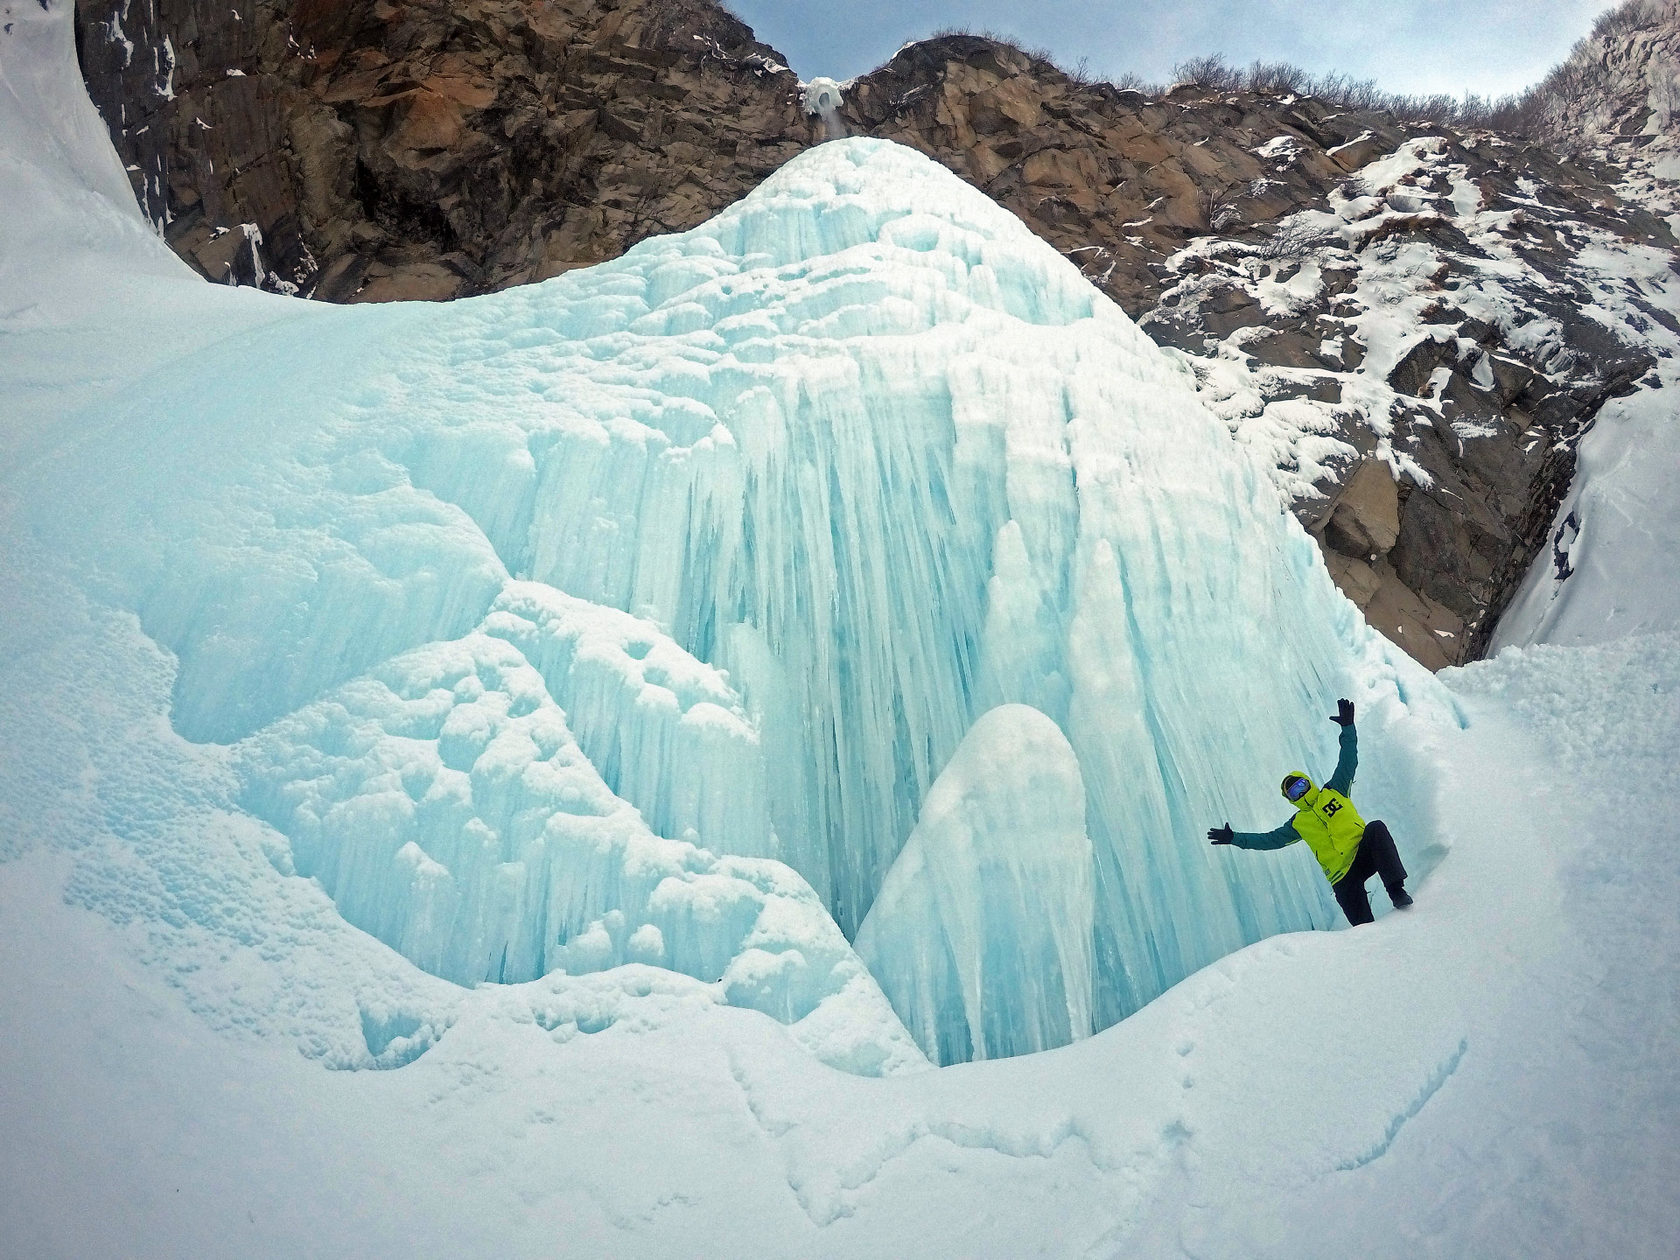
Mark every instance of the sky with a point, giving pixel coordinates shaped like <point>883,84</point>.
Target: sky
<point>1489,47</point>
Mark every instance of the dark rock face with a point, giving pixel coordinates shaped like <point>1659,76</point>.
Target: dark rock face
<point>1413,328</point>
<point>385,150</point>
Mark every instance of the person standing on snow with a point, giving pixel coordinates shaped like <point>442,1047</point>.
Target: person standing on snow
<point>1349,850</point>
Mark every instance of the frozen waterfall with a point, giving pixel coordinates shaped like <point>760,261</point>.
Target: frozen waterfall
<point>821,98</point>
<point>553,627</point>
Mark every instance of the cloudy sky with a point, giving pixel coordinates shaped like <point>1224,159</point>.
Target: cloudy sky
<point>1484,46</point>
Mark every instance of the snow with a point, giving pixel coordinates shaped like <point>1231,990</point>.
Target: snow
<point>1281,150</point>
<point>1615,535</point>
<point>344,651</point>
<point>1361,138</point>
<point>822,98</point>
<point>1282,297</point>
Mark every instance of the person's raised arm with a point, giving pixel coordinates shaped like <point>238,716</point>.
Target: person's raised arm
<point>1275,839</point>
<point>1348,762</point>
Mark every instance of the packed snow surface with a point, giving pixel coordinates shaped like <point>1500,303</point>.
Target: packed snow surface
<point>629,642</point>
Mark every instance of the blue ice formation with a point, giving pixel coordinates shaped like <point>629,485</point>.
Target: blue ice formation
<point>982,933</point>
<point>445,804</point>
<point>634,615</point>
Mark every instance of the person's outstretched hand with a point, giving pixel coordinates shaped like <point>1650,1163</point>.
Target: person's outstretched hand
<point>1344,713</point>
<point>1221,835</point>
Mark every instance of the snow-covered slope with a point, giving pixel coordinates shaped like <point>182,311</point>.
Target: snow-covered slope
<point>1606,573</point>
<point>349,658</point>
<point>1610,570</point>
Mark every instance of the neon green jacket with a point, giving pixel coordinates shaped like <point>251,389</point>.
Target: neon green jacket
<point>1325,818</point>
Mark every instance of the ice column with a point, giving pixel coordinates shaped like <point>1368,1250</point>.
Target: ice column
<point>982,933</point>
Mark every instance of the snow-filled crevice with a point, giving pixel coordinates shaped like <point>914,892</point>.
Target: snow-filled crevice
<point>635,618</point>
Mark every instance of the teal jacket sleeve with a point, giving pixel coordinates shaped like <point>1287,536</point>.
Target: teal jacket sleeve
<point>1277,839</point>
<point>1347,763</point>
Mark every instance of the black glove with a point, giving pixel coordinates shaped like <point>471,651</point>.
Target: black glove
<point>1344,713</point>
<point>1221,835</point>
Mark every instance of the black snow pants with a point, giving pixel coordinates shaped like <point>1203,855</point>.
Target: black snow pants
<point>1376,855</point>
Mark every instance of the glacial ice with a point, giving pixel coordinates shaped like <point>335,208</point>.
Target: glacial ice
<point>554,627</point>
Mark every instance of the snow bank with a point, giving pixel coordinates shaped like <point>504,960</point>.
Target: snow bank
<point>66,193</point>
<point>81,270</point>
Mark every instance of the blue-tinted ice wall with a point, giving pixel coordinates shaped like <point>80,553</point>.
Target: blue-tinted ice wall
<point>770,513</point>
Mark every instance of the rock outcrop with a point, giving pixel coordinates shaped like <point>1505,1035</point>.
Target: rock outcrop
<point>1412,327</point>
<point>384,149</point>
<point>1617,95</point>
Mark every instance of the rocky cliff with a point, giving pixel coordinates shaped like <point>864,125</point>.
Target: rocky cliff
<point>383,149</point>
<point>1614,104</point>
<point>1413,327</point>
<point>1618,92</point>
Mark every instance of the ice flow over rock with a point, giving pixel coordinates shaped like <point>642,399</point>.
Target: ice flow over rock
<point>554,626</point>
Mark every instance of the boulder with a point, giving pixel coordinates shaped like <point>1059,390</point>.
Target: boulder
<point>1365,522</point>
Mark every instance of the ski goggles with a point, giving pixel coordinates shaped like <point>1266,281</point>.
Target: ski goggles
<point>1295,789</point>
